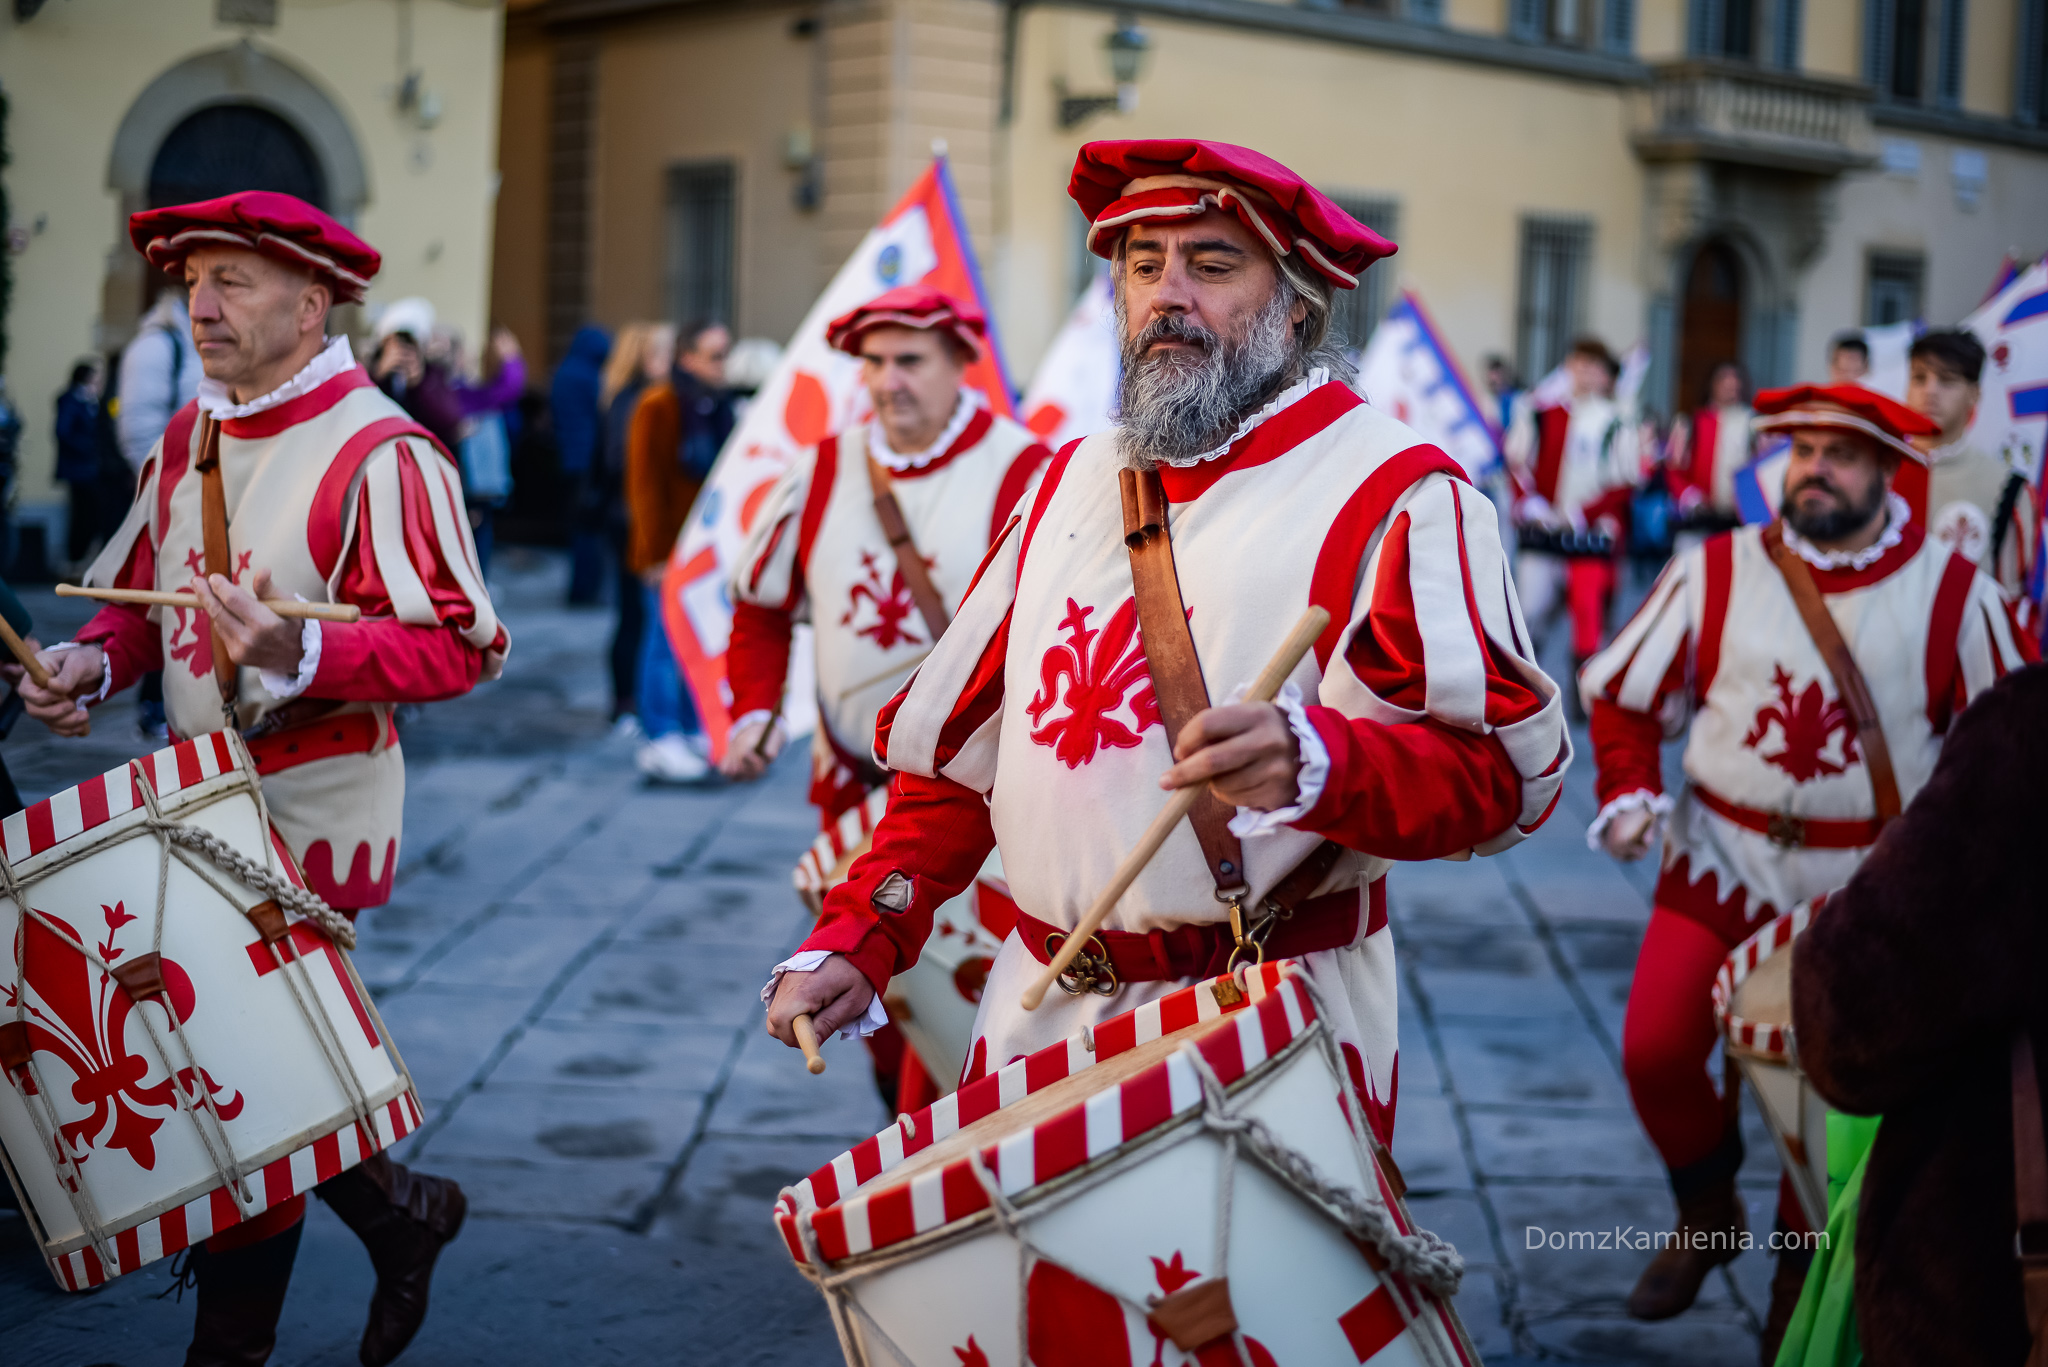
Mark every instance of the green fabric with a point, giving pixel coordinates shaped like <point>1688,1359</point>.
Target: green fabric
<point>1823,1328</point>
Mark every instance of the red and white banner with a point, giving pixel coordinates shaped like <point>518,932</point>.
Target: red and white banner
<point>1408,371</point>
<point>813,393</point>
<point>1074,390</point>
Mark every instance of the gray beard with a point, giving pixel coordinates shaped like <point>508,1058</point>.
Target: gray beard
<point>1176,405</point>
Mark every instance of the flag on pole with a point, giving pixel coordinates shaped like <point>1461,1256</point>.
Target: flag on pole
<point>1408,371</point>
<point>2012,413</point>
<point>1074,390</point>
<point>814,392</point>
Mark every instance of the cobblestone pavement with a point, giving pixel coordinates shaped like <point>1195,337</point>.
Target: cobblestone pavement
<point>571,961</point>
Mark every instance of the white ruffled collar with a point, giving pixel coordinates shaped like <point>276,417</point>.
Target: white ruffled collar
<point>336,358</point>
<point>964,409</point>
<point>1955,450</point>
<point>1897,515</point>
<point>1288,397</point>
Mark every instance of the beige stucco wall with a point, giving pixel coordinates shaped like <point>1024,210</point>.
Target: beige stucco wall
<point>1466,150</point>
<point>1963,248</point>
<point>74,70</point>
<point>727,86</point>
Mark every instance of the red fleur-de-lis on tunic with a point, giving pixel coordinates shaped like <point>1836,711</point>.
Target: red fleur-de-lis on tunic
<point>1090,672</point>
<point>196,650</point>
<point>892,606</point>
<point>1806,721</point>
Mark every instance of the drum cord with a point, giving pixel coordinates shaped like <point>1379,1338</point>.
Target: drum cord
<point>185,842</point>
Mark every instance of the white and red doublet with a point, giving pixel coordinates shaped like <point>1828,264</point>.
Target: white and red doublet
<point>1033,726</point>
<point>1779,806</point>
<point>343,498</point>
<point>1717,444</point>
<point>1570,462</point>
<point>817,550</point>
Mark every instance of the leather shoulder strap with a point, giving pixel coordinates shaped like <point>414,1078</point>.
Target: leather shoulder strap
<point>916,573</point>
<point>1849,682</point>
<point>213,531</point>
<point>2030,1191</point>
<point>1177,681</point>
<point>2001,520</point>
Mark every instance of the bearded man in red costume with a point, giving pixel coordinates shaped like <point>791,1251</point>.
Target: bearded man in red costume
<point>1788,789</point>
<point>1156,567</point>
<point>323,488</point>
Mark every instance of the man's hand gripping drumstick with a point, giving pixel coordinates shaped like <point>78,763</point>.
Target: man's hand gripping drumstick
<point>1245,751</point>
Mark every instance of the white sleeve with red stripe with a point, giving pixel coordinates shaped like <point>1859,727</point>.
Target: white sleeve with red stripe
<point>766,572</point>
<point>1635,668</point>
<point>1460,597</point>
<point>1988,643</point>
<point>421,548</point>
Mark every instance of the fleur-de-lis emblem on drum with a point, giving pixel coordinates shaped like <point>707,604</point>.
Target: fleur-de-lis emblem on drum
<point>1806,723</point>
<point>1089,673</point>
<point>79,1016</point>
<point>884,609</point>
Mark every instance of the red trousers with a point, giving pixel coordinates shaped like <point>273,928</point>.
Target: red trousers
<point>1667,1037</point>
<point>1589,589</point>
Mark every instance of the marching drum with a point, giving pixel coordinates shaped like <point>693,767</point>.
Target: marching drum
<point>185,1043</point>
<point>1189,1183</point>
<point>1753,1001</point>
<point>934,1001</point>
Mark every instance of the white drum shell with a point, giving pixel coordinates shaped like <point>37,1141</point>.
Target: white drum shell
<point>275,1091</point>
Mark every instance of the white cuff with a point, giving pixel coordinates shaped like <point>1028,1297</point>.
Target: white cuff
<point>106,671</point>
<point>806,961</point>
<point>1308,780</point>
<point>1659,805</point>
<point>282,686</point>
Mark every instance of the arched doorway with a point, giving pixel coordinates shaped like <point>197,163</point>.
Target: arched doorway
<point>232,147</point>
<point>1710,321</point>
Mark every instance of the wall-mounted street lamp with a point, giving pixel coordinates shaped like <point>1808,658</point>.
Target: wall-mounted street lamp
<point>1127,46</point>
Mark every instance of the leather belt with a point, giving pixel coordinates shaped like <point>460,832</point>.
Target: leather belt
<point>1115,957</point>
<point>1793,832</point>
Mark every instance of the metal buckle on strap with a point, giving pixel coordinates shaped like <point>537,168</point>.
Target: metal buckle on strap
<point>1252,942</point>
<point>1090,970</point>
<point>1786,830</point>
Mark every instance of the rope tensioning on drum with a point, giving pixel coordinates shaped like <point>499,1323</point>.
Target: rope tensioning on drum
<point>188,841</point>
<point>1420,1257</point>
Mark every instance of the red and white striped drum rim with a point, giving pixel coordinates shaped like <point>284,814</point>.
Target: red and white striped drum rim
<point>1272,1011</point>
<point>1769,1039</point>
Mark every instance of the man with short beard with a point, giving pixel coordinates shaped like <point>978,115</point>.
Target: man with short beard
<point>873,535</point>
<point>1086,672</point>
<point>1784,799</point>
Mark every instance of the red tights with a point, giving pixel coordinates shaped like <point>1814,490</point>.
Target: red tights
<point>1589,587</point>
<point>1666,1039</point>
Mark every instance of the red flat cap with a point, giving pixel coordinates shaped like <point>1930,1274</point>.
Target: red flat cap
<point>277,225</point>
<point>1119,183</point>
<point>908,306</point>
<point>1850,407</point>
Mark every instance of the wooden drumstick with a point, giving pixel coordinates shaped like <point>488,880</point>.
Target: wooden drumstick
<point>1264,689</point>
<point>19,649</point>
<point>761,750</point>
<point>283,607</point>
<point>807,1038</point>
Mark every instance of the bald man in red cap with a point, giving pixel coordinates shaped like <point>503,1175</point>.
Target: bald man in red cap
<point>1787,793</point>
<point>293,475</point>
<point>1156,568</point>
<point>874,533</point>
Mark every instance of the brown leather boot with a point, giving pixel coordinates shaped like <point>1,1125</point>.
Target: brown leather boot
<point>1710,1229</point>
<point>1786,1285</point>
<point>241,1295</point>
<point>404,1219</point>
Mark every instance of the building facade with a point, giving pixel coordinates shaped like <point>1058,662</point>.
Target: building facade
<point>383,112</point>
<point>1717,178</point>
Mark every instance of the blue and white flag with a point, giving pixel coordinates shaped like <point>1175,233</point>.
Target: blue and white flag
<point>1408,371</point>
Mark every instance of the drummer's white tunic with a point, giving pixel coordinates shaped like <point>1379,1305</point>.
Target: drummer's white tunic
<point>1039,697</point>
